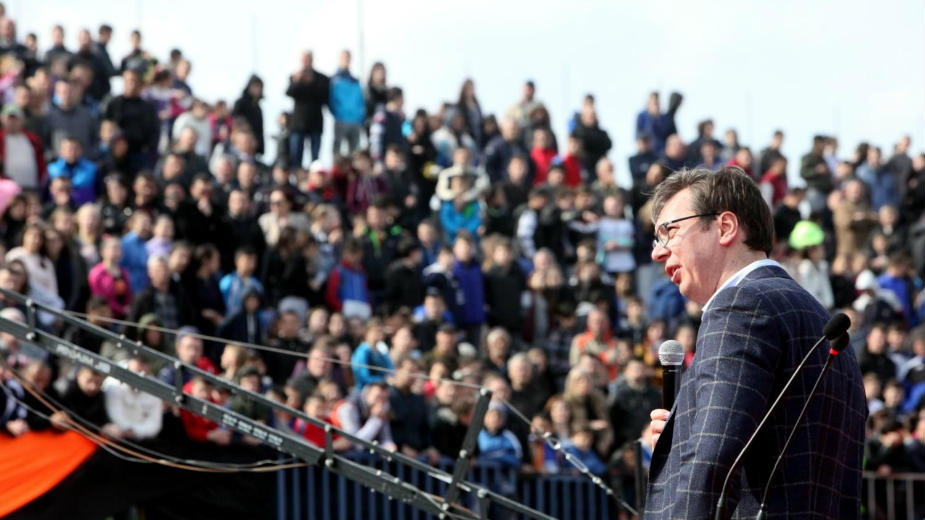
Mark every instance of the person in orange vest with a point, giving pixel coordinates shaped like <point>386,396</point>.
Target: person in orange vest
<point>598,341</point>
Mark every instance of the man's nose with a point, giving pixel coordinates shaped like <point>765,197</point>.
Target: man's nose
<point>659,253</point>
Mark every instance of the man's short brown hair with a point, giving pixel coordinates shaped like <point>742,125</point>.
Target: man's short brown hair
<point>729,189</point>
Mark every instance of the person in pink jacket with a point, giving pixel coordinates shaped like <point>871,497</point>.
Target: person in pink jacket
<point>111,281</point>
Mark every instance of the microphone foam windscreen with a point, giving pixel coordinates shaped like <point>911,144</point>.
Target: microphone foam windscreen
<point>836,326</point>
<point>671,353</point>
<point>839,343</point>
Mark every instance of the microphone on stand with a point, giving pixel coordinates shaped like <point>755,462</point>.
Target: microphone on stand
<point>837,346</point>
<point>670,355</point>
<point>833,329</point>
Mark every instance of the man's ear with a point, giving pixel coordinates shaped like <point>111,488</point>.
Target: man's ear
<point>728,225</point>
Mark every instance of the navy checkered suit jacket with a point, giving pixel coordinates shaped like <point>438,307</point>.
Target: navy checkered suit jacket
<point>752,338</point>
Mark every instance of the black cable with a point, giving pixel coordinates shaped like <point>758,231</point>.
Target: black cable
<point>215,465</point>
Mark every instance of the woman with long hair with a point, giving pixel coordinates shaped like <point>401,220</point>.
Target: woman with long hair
<point>560,416</point>
<point>31,252</point>
<point>43,281</point>
<point>468,104</point>
<point>89,231</point>
<point>588,406</point>
<point>204,291</point>
<point>421,156</point>
<point>14,219</point>
<point>70,269</point>
<point>374,93</point>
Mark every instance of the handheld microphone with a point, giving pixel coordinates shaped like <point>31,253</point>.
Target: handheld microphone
<point>670,355</point>
<point>833,329</point>
<point>836,346</point>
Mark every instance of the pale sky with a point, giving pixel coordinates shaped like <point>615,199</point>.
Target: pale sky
<point>851,68</point>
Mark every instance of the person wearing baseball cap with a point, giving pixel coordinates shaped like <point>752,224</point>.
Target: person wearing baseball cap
<point>813,270</point>
<point>21,151</point>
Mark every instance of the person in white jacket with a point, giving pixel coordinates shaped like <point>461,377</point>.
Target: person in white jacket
<point>196,118</point>
<point>813,271</point>
<point>138,414</point>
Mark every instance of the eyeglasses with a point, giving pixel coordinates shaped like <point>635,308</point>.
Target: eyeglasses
<point>663,234</point>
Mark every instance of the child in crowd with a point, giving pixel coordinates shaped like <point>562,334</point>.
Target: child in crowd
<point>317,407</point>
<point>109,280</point>
<point>248,378</point>
<point>545,458</point>
<point>581,448</point>
<point>460,213</point>
<point>162,242</point>
<point>199,428</point>
<point>373,353</point>
<point>347,286</point>
<point>235,285</point>
<point>497,444</point>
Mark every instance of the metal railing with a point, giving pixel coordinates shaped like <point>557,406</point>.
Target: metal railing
<point>313,492</point>
<point>900,496</point>
<point>457,490</point>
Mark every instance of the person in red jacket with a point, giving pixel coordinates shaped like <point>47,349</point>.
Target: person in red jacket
<point>543,154</point>
<point>316,407</point>
<point>21,151</point>
<point>197,427</point>
<point>571,162</point>
<point>774,182</point>
<point>743,159</point>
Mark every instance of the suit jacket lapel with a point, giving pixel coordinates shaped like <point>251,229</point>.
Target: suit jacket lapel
<point>662,447</point>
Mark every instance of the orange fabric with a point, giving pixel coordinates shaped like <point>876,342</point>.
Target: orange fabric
<point>34,463</point>
<point>335,417</point>
<point>587,337</point>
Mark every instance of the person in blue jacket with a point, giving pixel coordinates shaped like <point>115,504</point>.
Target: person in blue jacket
<point>468,274</point>
<point>74,166</point>
<point>497,444</point>
<point>581,448</point>
<point>135,251</point>
<point>347,106</point>
<point>347,290</point>
<point>459,214</point>
<point>658,125</point>
<point>373,353</point>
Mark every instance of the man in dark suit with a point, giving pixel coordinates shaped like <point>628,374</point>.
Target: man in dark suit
<point>714,235</point>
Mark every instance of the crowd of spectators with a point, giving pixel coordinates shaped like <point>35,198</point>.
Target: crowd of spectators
<point>442,249</point>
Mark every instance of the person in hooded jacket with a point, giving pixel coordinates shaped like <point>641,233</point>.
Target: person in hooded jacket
<point>245,326</point>
<point>347,106</point>
<point>248,107</point>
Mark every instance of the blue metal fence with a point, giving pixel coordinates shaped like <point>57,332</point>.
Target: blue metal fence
<point>315,493</point>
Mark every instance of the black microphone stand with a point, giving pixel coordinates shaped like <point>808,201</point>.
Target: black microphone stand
<point>837,347</point>
<point>721,502</point>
